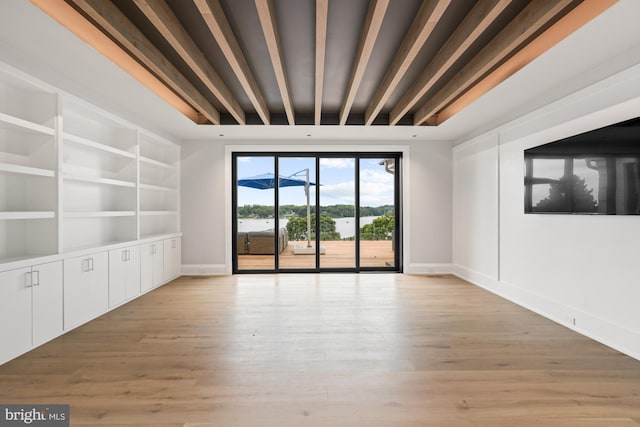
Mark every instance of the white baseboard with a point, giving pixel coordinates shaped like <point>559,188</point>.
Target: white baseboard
<point>204,270</point>
<point>613,335</point>
<point>480,279</point>
<point>432,268</point>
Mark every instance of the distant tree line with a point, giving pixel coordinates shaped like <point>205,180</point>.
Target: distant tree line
<point>380,229</point>
<point>333,211</point>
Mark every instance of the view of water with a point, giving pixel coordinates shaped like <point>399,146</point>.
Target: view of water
<point>344,226</point>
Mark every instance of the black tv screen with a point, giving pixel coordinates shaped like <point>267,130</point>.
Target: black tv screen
<point>596,172</point>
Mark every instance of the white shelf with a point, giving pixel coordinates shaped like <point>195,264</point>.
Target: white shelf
<point>27,215</point>
<point>82,248</point>
<point>26,170</point>
<point>156,187</point>
<point>98,146</point>
<point>158,213</point>
<point>25,124</point>
<point>154,236</point>
<point>98,214</point>
<point>98,180</point>
<point>157,163</point>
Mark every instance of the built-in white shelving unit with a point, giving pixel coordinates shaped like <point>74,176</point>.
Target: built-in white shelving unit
<point>89,212</point>
<point>100,177</point>
<point>28,167</point>
<point>73,176</point>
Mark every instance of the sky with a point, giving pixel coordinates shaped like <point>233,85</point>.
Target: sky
<point>337,181</point>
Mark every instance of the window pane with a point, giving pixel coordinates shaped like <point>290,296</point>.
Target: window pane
<point>337,213</point>
<point>297,212</point>
<point>255,213</point>
<point>377,212</point>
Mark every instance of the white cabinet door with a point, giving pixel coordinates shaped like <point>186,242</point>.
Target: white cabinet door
<point>15,313</point>
<point>158,263</point>
<point>86,288</point>
<point>146,267</point>
<point>151,265</point>
<point>117,277</point>
<point>133,272</point>
<point>172,258</point>
<point>47,302</point>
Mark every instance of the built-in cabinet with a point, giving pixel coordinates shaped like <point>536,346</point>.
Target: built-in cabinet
<point>88,202</point>
<point>31,310</point>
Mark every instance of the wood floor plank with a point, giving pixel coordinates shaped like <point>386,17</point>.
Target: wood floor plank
<point>327,350</point>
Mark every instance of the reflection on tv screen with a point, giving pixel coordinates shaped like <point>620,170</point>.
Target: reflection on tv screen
<point>597,172</point>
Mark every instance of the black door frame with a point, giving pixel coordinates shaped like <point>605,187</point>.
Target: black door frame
<point>397,243</point>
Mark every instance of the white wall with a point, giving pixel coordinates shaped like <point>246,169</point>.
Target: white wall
<point>430,207</point>
<point>203,207</point>
<point>206,219</point>
<point>579,270</point>
<point>475,227</point>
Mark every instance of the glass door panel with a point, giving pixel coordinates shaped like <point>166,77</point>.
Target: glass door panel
<point>297,199</point>
<point>255,219</point>
<point>377,212</point>
<point>337,213</point>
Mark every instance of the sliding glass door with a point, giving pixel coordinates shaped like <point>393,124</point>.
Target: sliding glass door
<point>302,212</point>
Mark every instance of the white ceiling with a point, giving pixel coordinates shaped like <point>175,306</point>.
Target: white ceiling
<point>34,43</point>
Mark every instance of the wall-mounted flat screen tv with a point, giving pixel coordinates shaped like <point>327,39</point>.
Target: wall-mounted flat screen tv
<point>596,172</point>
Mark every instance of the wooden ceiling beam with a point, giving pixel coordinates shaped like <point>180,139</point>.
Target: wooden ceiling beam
<point>215,19</point>
<point>421,28</point>
<point>266,13</point>
<point>119,27</point>
<point>483,14</point>
<point>168,25</point>
<point>73,21</point>
<point>322,11</point>
<point>370,31</point>
<point>527,23</point>
<point>569,23</point>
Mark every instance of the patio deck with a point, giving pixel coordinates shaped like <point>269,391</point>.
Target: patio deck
<point>339,254</point>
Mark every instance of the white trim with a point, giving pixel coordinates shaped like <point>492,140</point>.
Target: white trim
<point>316,149</point>
<point>428,268</point>
<point>204,270</point>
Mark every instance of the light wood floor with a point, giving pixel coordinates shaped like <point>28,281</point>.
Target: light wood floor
<point>327,350</point>
<point>339,254</point>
